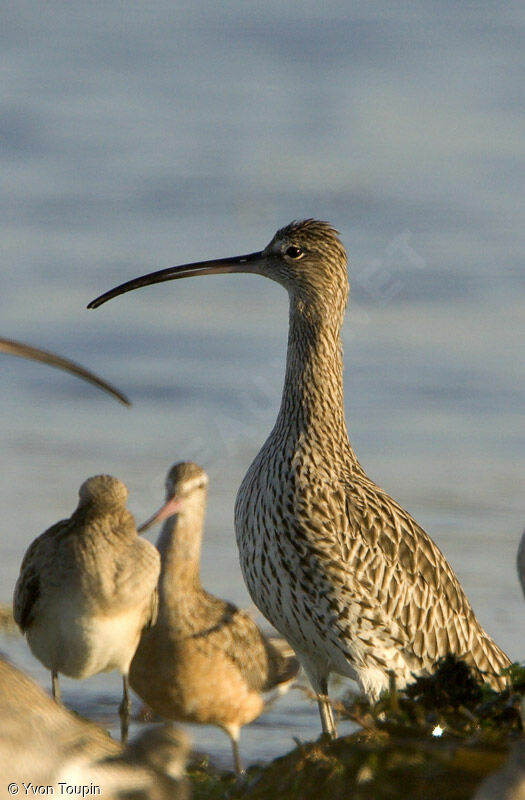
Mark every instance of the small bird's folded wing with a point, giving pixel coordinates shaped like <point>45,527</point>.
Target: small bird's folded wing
<point>37,565</point>
<point>236,634</point>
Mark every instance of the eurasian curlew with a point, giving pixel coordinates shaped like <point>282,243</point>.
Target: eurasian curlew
<point>339,568</point>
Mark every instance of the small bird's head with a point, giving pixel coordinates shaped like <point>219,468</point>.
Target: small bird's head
<point>306,257</point>
<point>103,492</point>
<point>186,483</point>
<point>184,478</point>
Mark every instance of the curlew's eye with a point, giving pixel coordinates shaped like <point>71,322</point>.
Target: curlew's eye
<point>294,252</point>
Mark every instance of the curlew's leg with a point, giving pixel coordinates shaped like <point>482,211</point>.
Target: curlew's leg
<point>325,710</point>
<point>124,711</point>
<point>55,687</point>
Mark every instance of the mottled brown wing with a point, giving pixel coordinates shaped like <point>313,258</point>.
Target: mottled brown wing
<point>383,572</point>
<point>38,558</point>
<point>412,583</point>
<point>235,634</point>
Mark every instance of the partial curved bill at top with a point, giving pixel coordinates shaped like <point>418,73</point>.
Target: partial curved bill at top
<point>15,348</point>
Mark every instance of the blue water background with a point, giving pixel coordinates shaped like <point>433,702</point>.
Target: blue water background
<point>137,136</point>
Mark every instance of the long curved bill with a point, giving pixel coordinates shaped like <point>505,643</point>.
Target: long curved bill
<point>247,263</point>
<point>15,348</point>
<point>171,507</point>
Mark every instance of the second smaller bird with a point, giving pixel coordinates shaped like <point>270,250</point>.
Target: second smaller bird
<point>87,588</point>
<point>204,660</point>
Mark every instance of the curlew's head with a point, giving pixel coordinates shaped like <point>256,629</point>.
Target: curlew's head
<point>306,257</point>
<point>186,484</point>
<point>103,492</point>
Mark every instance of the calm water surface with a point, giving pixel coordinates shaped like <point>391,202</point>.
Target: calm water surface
<point>144,136</point>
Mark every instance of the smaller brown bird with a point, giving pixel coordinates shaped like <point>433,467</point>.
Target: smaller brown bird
<point>204,660</point>
<point>87,588</point>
